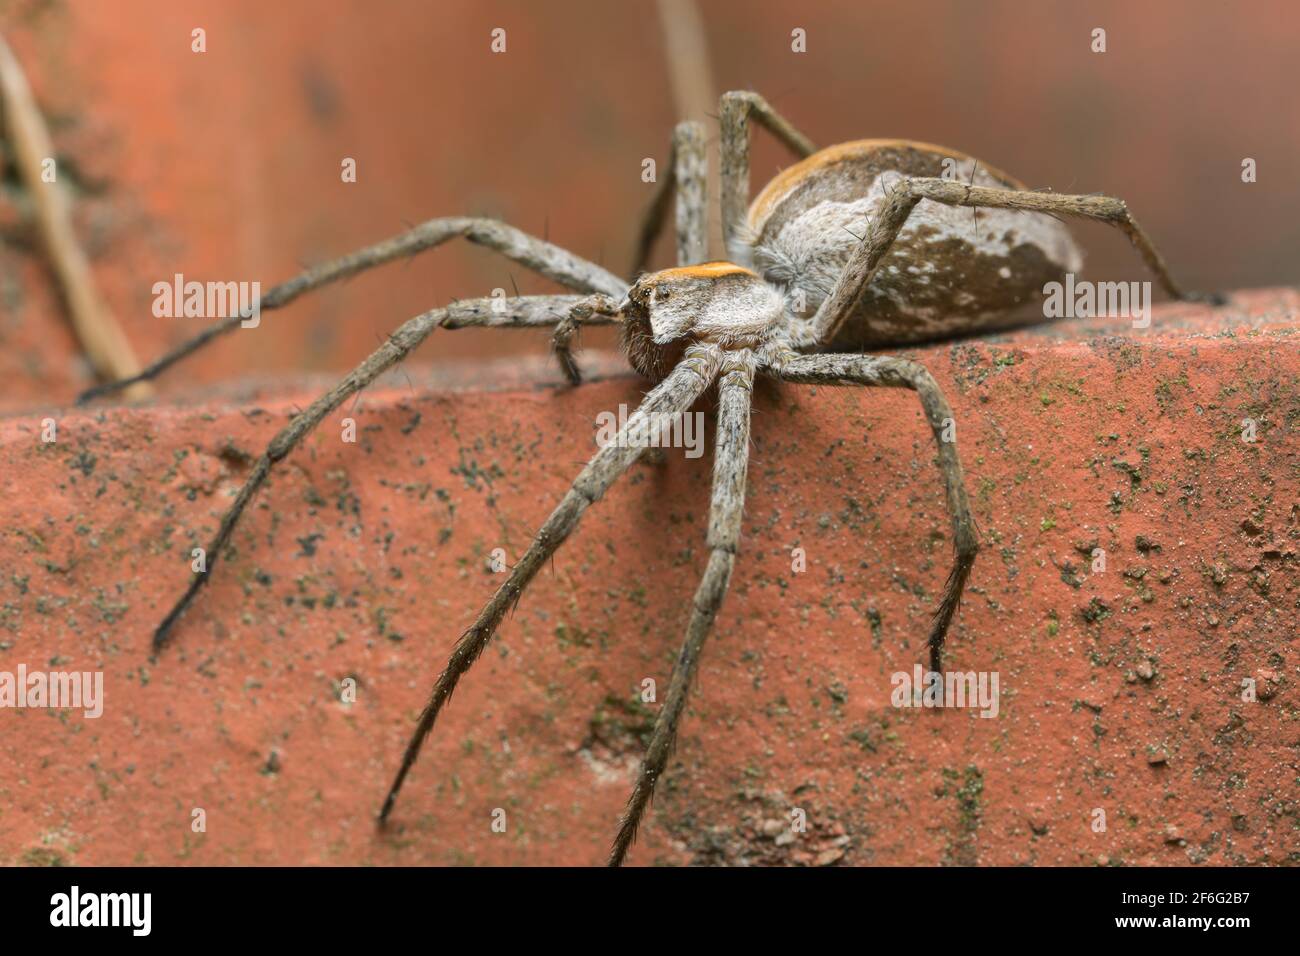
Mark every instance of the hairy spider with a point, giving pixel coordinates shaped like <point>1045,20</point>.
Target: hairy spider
<point>857,246</point>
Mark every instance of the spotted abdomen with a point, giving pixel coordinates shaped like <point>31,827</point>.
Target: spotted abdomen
<point>949,272</point>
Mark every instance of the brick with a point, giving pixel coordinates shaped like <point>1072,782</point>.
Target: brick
<point>367,560</point>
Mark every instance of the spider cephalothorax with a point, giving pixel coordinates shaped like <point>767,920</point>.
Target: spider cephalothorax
<point>715,302</point>
<point>859,245</point>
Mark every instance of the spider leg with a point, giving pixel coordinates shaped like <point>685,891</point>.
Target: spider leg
<point>581,313</point>
<point>528,311</point>
<point>652,220</point>
<point>549,260</point>
<point>903,198</point>
<point>849,369</point>
<point>676,393</point>
<point>729,464</point>
<point>691,171</point>
<point>688,174</point>
<point>523,312</point>
<point>734,112</point>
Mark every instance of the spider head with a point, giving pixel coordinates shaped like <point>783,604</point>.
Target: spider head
<point>717,302</point>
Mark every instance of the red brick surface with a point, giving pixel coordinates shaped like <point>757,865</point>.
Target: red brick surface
<point>1120,690</point>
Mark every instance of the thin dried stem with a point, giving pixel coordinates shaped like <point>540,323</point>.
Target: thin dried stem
<point>690,74</point>
<point>102,339</point>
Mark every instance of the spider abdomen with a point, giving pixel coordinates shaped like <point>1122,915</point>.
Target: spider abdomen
<point>949,272</point>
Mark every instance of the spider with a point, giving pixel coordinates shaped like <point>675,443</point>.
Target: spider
<point>857,246</point>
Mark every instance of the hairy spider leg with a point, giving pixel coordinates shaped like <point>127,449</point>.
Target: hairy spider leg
<point>731,457</point>
<point>850,369</point>
<point>676,393</point>
<point>688,174</point>
<point>547,259</point>
<point>905,196</point>
<point>735,110</point>
<point>529,311</point>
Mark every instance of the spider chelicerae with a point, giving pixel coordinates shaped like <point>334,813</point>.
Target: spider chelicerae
<point>858,246</point>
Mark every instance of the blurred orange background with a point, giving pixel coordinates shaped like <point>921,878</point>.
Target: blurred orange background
<point>226,164</point>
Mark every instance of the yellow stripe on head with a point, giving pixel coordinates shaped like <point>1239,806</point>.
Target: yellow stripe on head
<point>705,270</point>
